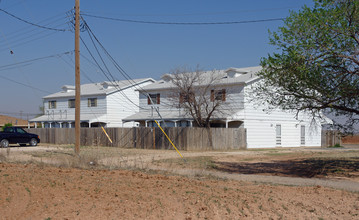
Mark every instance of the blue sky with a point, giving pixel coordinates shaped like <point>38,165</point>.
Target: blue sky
<point>142,50</point>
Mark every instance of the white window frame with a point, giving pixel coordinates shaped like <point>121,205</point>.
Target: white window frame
<point>71,103</point>
<point>52,104</point>
<point>92,102</point>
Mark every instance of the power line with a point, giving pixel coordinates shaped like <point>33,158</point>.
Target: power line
<point>17,113</point>
<point>25,42</point>
<point>35,59</point>
<point>46,22</point>
<point>205,13</point>
<point>14,67</point>
<point>120,69</point>
<point>108,74</point>
<point>23,84</point>
<point>24,35</point>
<point>28,22</point>
<point>184,23</point>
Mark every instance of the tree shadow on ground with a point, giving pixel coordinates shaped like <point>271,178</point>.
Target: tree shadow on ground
<point>317,167</point>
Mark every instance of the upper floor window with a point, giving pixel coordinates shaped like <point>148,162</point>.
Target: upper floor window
<point>92,102</point>
<point>153,99</point>
<point>186,97</point>
<point>71,103</point>
<point>52,104</point>
<point>218,95</point>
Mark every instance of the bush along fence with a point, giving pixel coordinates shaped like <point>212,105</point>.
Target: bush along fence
<point>149,138</point>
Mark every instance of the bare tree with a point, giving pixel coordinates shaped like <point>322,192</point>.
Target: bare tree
<point>197,93</point>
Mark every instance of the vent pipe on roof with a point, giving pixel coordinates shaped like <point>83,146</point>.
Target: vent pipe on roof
<point>67,88</point>
<point>107,85</point>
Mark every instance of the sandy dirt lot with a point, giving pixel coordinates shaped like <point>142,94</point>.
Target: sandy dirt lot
<point>49,182</point>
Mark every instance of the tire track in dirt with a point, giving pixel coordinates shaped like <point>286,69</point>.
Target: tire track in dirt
<point>280,180</point>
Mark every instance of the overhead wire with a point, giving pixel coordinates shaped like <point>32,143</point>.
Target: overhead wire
<point>126,76</point>
<point>26,35</point>
<point>129,79</point>
<point>10,68</point>
<point>205,13</point>
<point>25,42</point>
<point>10,48</point>
<point>184,23</point>
<point>86,75</point>
<point>23,84</point>
<point>28,62</point>
<point>36,59</point>
<point>29,28</point>
<point>73,66</point>
<point>29,33</point>
<point>107,74</point>
<point>31,23</point>
<point>139,88</point>
<point>17,113</point>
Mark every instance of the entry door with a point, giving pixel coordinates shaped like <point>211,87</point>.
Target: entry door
<point>278,132</point>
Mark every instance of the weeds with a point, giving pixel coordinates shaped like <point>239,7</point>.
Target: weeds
<point>336,146</point>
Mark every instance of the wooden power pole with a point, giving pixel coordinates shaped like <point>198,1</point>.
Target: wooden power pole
<point>77,77</point>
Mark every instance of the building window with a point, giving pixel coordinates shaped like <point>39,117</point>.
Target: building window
<point>278,131</point>
<point>153,99</point>
<point>92,102</point>
<point>218,95</point>
<point>186,97</point>
<point>52,104</point>
<point>71,103</point>
<point>302,135</point>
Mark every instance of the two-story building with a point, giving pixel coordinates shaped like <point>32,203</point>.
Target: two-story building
<point>239,109</point>
<point>102,104</point>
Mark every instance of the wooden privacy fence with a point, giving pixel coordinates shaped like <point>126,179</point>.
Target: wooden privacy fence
<point>330,138</point>
<point>149,138</point>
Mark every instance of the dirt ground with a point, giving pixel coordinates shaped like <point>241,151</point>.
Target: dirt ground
<point>50,182</point>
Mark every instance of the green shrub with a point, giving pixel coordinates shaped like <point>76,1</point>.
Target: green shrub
<point>336,146</point>
<point>5,126</point>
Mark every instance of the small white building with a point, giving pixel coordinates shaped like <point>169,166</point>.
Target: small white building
<point>275,128</point>
<point>102,104</point>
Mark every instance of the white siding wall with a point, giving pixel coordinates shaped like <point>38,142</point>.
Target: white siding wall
<point>110,109</point>
<point>93,111</point>
<point>166,103</point>
<point>62,106</point>
<point>261,126</point>
<point>121,105</point>
<point>234,99</point>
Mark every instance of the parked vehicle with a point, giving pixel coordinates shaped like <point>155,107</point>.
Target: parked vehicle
<point>15,135</point>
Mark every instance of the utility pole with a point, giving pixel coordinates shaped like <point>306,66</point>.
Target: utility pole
<point>77,77</point>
